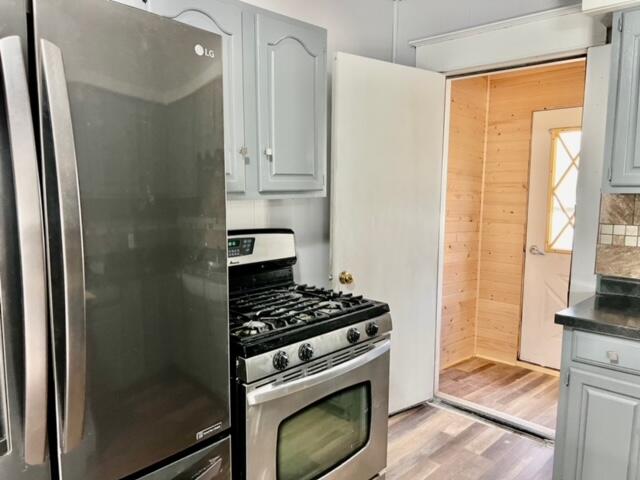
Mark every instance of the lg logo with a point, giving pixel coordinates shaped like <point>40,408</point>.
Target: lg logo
<point>202,51</point>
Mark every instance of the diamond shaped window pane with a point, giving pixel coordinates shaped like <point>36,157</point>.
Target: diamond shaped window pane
<point>571,140</point>
<point>564,241</point>
<point>563,161</point>
<point>566,189</point>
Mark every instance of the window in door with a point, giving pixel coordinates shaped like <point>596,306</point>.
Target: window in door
<point>561,211</point>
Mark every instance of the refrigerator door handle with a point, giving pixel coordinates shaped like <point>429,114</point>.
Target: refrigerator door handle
<point>63,145</point>
<point>31,243</point>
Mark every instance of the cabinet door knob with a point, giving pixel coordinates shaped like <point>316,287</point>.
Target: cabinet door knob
<point>269,153</point>
<point>243,151</point>
<point>613,357</point>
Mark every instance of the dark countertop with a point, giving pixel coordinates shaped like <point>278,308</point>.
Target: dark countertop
<point>607,314</point>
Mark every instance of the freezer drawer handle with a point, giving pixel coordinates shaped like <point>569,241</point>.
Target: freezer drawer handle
<point>269,392</point>
<point>210,471</point>
<point>63,145</point>
<point>31,240</point>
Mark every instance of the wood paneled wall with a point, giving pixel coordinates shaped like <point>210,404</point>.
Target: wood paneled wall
<point>513,99</point>
<point>487,195</point>
<point>462,225</point>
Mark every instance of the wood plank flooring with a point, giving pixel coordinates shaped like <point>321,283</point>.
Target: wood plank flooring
<point>432,443</point>
<point>517,391</point>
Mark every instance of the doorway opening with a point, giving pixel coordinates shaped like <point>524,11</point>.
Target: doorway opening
<point>513,163</point>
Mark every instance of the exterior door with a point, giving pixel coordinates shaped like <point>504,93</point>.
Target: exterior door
<point>553,175</point>
<point>602,425</point>
<point>292,93</point>
<point>133,149</point>
<point>224,19</point>
<point>388,126</point>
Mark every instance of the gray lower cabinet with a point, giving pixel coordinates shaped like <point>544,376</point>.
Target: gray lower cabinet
<point>603,429</point>
<point>292,96</point>
<point>622,142</point>
<point>598,433</point>
<point>275,96</point>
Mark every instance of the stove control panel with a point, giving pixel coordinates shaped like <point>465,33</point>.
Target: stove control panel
<point>255,246</point>
<point>240,246</point>
<point>311,349</point>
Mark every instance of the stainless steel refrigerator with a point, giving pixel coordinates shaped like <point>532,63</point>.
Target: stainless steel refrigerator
<point>114,358</point>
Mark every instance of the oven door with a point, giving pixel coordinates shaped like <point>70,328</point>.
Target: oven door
<point>331,425</point>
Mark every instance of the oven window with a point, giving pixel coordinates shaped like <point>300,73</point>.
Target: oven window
<point>325,434</point>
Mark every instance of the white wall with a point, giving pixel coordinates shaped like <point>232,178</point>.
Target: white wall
<point>363,27</point>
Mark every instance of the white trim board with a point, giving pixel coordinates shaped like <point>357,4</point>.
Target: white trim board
<point>550,35</point>
<point>604,6</point>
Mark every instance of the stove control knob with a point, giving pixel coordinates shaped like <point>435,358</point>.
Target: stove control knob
<point>305,352</point>
<point>372,329</point>
<point>353,335</point>
<point>280,360</point>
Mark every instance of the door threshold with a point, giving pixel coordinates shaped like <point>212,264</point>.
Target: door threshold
<point>503,419</point>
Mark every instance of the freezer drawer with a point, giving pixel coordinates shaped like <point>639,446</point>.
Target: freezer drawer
<point>210,463</point>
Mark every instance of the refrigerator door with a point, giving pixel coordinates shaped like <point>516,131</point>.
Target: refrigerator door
<point>23,299</point>
<point>133,160</point>
<point>13,20</point>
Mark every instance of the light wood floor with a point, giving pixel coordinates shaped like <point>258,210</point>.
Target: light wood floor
<point>433,443</point>
<point>517,391</point>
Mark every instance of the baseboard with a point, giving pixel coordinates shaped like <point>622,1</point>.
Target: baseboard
<point>538,368</point>
<point>453,364</point>
<point>520,363</point>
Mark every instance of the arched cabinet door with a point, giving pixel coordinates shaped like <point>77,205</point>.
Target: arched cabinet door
<point>292,96</point>
<point>225,19</point>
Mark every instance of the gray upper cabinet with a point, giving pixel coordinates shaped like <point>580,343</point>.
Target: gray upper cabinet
<point>275,96</point>
<point>292,97</point>
<point>225,19</point>
<point>603,424</point>
<point>622,138</point>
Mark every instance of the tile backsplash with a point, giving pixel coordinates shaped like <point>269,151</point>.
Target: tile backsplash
<point>618,250</point>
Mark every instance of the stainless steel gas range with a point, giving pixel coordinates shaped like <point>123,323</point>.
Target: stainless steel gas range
<point>310,369</point>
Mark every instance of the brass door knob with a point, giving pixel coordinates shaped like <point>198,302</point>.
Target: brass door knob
<point>346,278</point>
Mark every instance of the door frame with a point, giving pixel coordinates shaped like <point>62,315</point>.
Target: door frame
<point>524,61</point>
<point>509,420</point>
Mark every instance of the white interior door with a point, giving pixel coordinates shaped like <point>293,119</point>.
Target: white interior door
<point>550,224</point>
<point>388,123</point>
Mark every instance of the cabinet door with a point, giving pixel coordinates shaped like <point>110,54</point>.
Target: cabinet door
<point>624,114</point>
<point>603,428</point>
<point>292,88</point>
<point>225,19</point>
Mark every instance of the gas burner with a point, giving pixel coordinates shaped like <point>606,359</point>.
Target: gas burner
<point>251,328</point>
<point>267,312</point>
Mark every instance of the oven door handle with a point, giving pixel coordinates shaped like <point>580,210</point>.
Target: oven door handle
<point>271,392</point>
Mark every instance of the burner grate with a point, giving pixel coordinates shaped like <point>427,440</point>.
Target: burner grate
<point>284,308</point>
